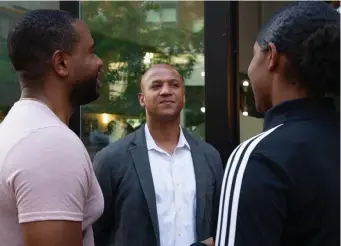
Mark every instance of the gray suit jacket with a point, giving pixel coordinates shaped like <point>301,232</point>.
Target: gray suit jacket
<point>124,174</point>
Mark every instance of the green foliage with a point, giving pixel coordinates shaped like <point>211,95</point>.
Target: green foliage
<point>123,37</point>
<point>7,72</point>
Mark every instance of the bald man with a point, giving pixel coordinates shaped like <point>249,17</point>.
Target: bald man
<point>161,185</point>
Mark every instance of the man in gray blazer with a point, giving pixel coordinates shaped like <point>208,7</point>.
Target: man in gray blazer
<point>161,185</point>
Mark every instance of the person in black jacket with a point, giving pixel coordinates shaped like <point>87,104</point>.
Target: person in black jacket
<point>282,187</point>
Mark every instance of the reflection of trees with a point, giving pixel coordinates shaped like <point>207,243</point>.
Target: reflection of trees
<point>9,86</point>
<point>195,100</point>
<point>6,69</point>
<point>128,45</point>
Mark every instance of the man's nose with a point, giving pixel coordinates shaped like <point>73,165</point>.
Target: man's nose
<point>99,62</point>
<point>165,90</point>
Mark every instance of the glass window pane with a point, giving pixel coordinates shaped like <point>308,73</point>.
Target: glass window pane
<point>130,36</point>
<point>251,16</point>
<point>10,11</point>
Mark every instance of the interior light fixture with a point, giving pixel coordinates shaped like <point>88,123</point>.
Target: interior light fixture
<point>245,113</point>
<point>246,83</point>
<point>105,118</point>
<point>202,109</point>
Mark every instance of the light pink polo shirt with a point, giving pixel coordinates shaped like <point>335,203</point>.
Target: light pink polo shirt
<point>45,174</point>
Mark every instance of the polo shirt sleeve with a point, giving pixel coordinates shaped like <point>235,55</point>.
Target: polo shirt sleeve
<point>48,176</point>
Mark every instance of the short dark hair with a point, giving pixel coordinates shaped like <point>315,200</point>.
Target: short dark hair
<point>308,34</point>
<point>36,36</point>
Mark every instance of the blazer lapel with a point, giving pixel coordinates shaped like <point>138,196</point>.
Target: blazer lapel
<point>199,163</point>
<point>140,157</point>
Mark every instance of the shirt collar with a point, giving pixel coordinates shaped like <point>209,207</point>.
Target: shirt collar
<point>152,145</point>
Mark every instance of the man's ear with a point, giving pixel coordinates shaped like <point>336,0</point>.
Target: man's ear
<point>60,62</point>
<point>141,99</point>
<point>273,57</point>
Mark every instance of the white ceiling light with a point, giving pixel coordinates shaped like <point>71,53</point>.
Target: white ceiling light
<point>202,109</point>
<point>246,83</point>
<point>245,113</point>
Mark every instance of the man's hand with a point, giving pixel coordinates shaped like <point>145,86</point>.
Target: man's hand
<point>209,241</point>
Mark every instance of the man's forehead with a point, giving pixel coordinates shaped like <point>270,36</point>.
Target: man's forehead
<point>82,30</point>
<point>161,73</point>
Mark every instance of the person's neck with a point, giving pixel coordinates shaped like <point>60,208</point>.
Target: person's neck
<point>58,104</point>
<point>165,133</point>
<point>287,92</point>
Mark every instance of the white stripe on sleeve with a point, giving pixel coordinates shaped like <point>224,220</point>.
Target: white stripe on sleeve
<point>231,187</point>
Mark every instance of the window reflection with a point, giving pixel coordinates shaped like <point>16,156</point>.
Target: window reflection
<point>10,12</point>
<point>130,36</point>
<point>251,16</point>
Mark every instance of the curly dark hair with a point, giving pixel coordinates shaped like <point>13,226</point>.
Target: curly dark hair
<point>36,36</point>
<point>308,34</point>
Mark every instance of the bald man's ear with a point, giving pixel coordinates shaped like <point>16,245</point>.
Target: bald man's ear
<point>141,99</point>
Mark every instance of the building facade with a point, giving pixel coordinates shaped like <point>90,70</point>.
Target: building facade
<point>210,43</point>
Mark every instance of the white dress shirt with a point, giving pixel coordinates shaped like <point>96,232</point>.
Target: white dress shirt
<point>175,191</point>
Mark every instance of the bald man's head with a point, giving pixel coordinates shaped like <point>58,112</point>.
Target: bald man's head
<point>162,92</point>
<point>158,68</point>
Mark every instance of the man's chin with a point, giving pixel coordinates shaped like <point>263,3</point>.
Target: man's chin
<point>85,92</point>
<point>169,116</point>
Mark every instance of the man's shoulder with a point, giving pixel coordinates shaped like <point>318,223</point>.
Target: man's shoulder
<point>59,137</point>
<point>204,146</point>
<point>208,148</point>
<point>29,121</point>
<point>287,138</point>
<point>114,156</point>
<point>49,144</point>
<point>117,148</point>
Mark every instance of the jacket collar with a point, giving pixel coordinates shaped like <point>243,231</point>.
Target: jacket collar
<point>298,109</point>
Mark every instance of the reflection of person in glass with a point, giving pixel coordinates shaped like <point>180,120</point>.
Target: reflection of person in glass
<point>282,187</point>
<point>161,185</point>
<point>49,194</point>
<point>118,129</point>
<point>115,131</point>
